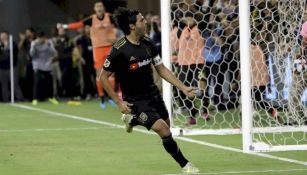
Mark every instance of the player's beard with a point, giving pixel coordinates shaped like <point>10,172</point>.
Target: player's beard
<point>140,32</point>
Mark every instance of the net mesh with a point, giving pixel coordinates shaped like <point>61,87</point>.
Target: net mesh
<point>205,54</point>
<point>277,90</point>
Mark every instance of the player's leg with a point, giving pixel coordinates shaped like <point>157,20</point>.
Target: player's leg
<point>178,100</point>
<point>202,84</point>
<point>186,76</point>
<point>48,86</point>
<point>170,145</point>
<point>162,129</point>
<point>36,88</point>
<point>97,54</point>
<point>100,55</point>
<point>259,101</point>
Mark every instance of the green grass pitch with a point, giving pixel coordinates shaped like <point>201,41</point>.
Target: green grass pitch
<point>37,143</point>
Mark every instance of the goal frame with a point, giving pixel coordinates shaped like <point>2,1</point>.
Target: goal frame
<point>247,130</point>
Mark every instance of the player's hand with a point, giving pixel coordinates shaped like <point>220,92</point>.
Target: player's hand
<point>125,107</point>
<point>190,92</point>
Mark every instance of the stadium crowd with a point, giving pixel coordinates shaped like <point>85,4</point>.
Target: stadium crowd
<point>205,53</point>
<point>55,66</point>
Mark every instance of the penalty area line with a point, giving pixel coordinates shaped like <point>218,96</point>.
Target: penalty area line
<point>52,113</point>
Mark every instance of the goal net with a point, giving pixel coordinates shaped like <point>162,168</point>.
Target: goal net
<point>275,27</point>
<point>205,53</point>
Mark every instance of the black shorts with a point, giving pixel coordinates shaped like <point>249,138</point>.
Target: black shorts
<point>147,112</point>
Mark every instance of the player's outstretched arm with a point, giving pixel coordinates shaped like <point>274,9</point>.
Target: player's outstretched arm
<point>72,26</point>
<point>167,75</point>
<point>123,105</point>
<point>76,25</point>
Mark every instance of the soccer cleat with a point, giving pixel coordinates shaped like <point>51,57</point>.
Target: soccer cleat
<point>34,102</point>
<point>206,116</point>
<point>112,103</point>
<point>191,121</point>
<point>126,118</point>
<point>53,101</point>
<point>102,105</point>
<point>189,168</point>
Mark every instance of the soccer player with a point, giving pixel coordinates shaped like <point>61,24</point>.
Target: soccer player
<point>103,35</point>
<point>191,64</point>
<point>132,59</point>
<point>260,80</point>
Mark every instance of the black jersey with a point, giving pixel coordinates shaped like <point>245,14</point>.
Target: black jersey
<point>132,65</point>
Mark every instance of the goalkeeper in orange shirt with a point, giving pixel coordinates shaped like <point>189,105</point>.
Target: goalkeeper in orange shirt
<point>103,35</point>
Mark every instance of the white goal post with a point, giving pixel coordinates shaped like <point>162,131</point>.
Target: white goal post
<point>259,132</point>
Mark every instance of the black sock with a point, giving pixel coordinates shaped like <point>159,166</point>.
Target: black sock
<point>172,148</point>
<point>103,99</point>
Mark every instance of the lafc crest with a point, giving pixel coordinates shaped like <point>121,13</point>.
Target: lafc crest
<point>143,117</point>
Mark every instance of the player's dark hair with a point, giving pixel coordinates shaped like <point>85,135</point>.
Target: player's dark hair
<point>124,17</point>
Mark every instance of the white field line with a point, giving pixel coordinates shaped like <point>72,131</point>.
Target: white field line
<point>147,132</point>
<point>47,129</point>
<point>246,172</point>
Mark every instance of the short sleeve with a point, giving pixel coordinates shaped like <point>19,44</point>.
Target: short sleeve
<point>156,61</point>
<point>111,61</point>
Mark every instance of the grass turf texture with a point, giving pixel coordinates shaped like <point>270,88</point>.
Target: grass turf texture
<point>92,149</point>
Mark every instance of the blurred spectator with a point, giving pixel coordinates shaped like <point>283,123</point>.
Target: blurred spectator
<point>230,65</point>
<point>84,45</point>
<point>214,57</point>
<point>56,70</point>
<point>265,19</point>
<point>43,54</point>
<point>5,68</point>
<point>103,35</point>
<point>155,32</point>
<point>24,46</point>
<point>64,47</point>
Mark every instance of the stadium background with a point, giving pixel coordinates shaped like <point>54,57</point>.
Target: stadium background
<point>20,14</point>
